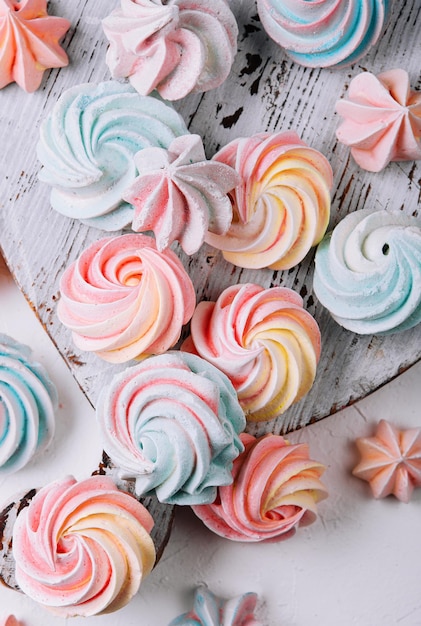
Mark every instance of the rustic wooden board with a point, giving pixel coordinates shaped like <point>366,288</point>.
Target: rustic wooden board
<point>265,91</point>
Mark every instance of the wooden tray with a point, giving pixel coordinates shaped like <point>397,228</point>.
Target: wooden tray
<point>265,91</point>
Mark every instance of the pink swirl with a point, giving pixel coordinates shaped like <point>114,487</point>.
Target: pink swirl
<point>123,299</point>
<point>281,207</point>
<point>176,47</point>
<point>264,341</point>
<point>275,489</point>
<point>82,548</point>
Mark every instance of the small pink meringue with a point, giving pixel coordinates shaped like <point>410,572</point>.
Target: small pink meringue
<point>174,46</point>
<point>179,195</point>
<point>29,42</point>
<point>391,461</point>
<point>382,119</point>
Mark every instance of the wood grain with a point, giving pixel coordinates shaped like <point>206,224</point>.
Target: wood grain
<point>265,91</point>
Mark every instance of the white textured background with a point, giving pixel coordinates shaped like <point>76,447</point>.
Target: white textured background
<point>360,563</point>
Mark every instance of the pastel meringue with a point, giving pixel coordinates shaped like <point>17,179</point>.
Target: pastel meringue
<point>382,119</point>
<point>172,423</point>
<point>210,610</point>
<point>275,490</point>
<point>324,33</point>
<point>368,272</point>
<point>179,195</point>
<point>390,461</point>
<point>264,341</point>
<point>123,299</point>
<point>12,621</point>
<point>174,46</point>
<point>28,402</point>
<point>82,548</point>
<point>87,144</point>
<point>281,207</point>
<point>29,42</point>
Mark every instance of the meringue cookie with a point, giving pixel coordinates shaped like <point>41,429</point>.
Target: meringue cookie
<point>29,42</point>
<point>82,549</point>
<point>275,490</point>
<point>123,299</point>
<point>12,621</point>
<point>281,206</point>
<point>87,144</point>
<point>176,47</point>
<point>179,195</point>
<point>28,401</point>
<point>324,33</point>
<point>390,461</point>
<point>382,119</point>
<point>172,423</point>
<point>368,272</point>
<point>264,341</point>
<point>209,610</point>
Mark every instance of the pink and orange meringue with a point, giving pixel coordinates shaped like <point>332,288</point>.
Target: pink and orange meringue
<point>282,204</point>
<point>390,461</point>
<point>210,610</point>
<point>29,39</point>
<point>12,621</point>
<point>82,548</point>
<point>264,341</point>
<point>123,299</point>
<point>382,119</point>
<point>179,195</point>
<point>275,490</point>
<point>176,47</point>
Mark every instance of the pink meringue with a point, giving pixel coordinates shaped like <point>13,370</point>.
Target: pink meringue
<point>82,549</point>
<point>264,341</point>
<point>281,206</point>
<point>12,621</point>
<point>123,299</point>
<point>382,119</point>
<point>390,461</point>
<point>176,47</point>
<point>29,42</point>
<point>179,195</point>
<point>275,490</point>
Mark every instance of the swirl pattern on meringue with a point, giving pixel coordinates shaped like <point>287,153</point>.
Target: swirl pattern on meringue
<point>382,119</point>
<point>87,144</point>
<point>176,47</point>
<point>209,610</point>
<point>368,272</point>
<point>28,401</point>
<point>275,490</point>
<point>82,548</point>
<point>324,33</point>
<point>123,299</point>
<point>29,42</point>
<point>281,207</point>
<point>264,341</point>
<point>172,423</point>
<point>179,195</point>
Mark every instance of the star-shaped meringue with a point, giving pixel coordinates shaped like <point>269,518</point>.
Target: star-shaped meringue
<point>209,610</point>
<point>180,195</point>
<point>29,42</point>
<point>391,461</point>
<point>382,119</point>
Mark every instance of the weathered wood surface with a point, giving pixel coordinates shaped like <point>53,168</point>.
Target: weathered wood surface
<point>265,91</point>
